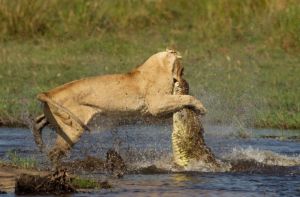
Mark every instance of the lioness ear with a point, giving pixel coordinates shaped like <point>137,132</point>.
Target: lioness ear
<point>170,50</point>
<point>176,53</point>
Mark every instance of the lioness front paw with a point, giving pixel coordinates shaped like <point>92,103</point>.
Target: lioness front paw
<point>202,111</point>
<point>199,108</point>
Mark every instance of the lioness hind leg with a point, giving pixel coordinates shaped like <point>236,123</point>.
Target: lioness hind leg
<point>67,136</point>
<point>39,123</point>
<point>60,149</point>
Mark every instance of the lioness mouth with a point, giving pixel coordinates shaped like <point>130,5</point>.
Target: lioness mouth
<point>178,71</point>
<point>177,67</point>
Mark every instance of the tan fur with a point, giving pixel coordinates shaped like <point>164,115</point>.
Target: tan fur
<point>146,90</point>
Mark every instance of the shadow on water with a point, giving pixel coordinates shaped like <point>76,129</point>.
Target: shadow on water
<point>260,166</point>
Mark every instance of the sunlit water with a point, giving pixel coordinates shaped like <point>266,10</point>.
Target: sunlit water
<point>142,146</point>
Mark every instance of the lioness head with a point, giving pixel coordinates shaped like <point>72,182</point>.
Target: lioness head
<point>166,61</point>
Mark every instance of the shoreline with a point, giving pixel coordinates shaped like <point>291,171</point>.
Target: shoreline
<point>19,124</point>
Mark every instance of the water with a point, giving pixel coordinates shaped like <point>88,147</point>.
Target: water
<point>271,168</point>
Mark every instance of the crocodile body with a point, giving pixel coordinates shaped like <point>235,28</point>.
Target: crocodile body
<point>187,137</point>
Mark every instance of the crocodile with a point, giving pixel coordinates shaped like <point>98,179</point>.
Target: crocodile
<point>189,148</point>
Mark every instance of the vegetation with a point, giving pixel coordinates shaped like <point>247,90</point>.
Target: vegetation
<point>82,183</point>
<point>241,57</point>
<point>22,162</point>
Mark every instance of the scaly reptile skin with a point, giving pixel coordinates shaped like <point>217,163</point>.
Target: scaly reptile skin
<point>187,137</point>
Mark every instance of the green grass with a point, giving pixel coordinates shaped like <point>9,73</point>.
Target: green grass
<point>228,19</point>
<point>22,162</point>
<point>83,183</point>
<point>241,57</point>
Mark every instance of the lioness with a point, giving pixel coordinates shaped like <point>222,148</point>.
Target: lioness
<point>146,90</point>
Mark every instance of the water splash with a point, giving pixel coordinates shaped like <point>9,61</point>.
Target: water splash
<point>239,159</point>
<point>202,166</point>
<point>262,156</point>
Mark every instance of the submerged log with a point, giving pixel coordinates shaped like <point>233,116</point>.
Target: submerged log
<point>56,183</point>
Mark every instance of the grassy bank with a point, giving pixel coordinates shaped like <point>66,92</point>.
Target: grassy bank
<point>241,57</point>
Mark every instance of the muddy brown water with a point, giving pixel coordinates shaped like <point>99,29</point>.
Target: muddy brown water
<point>265,164</point>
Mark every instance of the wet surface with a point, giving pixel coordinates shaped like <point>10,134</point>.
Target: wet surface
<point>264,166</point>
